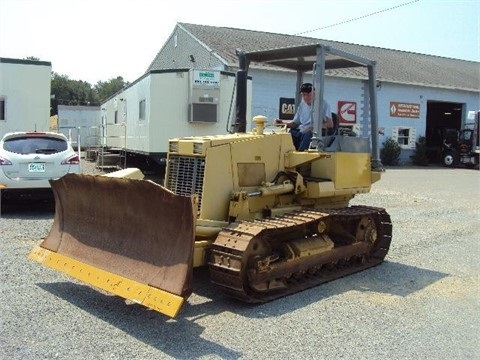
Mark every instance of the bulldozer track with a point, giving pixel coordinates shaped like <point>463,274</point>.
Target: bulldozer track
<point>239,248</point>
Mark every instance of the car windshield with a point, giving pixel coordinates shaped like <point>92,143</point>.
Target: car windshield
<point>35,145</point>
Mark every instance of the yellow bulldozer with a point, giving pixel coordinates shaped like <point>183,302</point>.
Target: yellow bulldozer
<point>266,219</point>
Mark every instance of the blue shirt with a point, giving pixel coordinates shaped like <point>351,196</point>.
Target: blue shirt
<point>303,116</point>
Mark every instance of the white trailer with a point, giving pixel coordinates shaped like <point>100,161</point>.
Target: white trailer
<point>24,95</point>
<point>164,104</point>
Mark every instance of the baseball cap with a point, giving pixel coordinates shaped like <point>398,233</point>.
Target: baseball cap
<point>306,88</point>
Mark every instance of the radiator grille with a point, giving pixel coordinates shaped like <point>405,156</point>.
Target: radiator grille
<point>185,176</point>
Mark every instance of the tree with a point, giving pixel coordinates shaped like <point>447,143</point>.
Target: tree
<point>390,152</point>
<point>105,89</point>
<point>419,156</point>
<point>72,92</point>
<point>65,91</point>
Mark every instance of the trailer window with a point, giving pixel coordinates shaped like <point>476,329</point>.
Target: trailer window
<point>2,108</point>
<point>141,109</point>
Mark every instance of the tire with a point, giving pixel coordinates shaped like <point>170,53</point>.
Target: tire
<point>449,159</point>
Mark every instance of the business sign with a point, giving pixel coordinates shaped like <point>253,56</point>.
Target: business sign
<point>206,78</point>
<point>347,112</point>
<point>404,110</point>
<point>286,108</point>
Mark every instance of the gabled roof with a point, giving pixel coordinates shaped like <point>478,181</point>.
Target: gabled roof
<point>392,65</point>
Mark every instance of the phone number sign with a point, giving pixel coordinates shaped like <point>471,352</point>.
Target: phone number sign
<point>404,110</point>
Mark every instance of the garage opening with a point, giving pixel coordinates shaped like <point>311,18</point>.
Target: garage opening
<point>443,118</point>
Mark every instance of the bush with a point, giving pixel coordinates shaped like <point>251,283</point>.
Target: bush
<point>390,153</point>
<point>419,156</point>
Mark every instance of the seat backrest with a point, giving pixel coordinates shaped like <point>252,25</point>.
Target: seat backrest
<point>334,129</point>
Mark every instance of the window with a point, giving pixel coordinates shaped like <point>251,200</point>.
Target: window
<point>405,136</point>
<point>2,108</point>
<point>35,144</point>
<point>402,137</point>
<point>115,119</point>
<point>141,109</point>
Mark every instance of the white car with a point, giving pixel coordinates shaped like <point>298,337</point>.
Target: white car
<point>29,159</point>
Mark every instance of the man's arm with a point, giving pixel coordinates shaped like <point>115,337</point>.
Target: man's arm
<point>287,123</point>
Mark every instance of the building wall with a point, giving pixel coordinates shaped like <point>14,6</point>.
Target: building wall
<point>269,86</point>
<point>418,96</point>
<point>25,90</point>
<point>83,121</point>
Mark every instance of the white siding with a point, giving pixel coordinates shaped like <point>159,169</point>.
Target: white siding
<point>26,90</point>
<point>80,120</point>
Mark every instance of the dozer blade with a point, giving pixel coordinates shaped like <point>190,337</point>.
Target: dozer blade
<point>132,238</point>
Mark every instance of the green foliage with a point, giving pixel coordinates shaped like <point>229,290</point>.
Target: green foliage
<point>390,152</point>
<point>419,156</point>
<point>72,92</point>
<point>65,91</point>
<point>105,89</point>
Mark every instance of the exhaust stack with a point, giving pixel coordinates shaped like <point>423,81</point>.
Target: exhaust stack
<point>240,125</point>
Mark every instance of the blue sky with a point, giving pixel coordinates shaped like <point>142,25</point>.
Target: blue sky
<point>96,40</point>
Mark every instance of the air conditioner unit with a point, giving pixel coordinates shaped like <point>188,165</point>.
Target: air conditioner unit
<point>204,96</point>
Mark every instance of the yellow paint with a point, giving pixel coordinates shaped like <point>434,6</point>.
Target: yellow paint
<point>320,189</point>
<point>346,170</point>
<point>297,158</point>
<point>151,297</point>
<point>199,252</point>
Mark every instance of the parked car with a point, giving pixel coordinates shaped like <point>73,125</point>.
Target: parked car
<point>29,159</point>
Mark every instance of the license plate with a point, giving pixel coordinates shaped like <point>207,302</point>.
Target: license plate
<point>36,167</point>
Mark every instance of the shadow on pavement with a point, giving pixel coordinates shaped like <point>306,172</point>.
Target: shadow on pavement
<point>168,335</point>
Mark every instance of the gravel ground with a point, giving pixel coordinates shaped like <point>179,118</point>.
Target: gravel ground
<point>422,303</point>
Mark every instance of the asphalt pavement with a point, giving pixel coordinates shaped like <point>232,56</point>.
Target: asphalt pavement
<point>422,303</point>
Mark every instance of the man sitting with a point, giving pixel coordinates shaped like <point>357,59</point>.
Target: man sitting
<point>301,126</point>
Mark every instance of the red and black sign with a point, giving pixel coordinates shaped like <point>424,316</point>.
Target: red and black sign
<point>347,112</point>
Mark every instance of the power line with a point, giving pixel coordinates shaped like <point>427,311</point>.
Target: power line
<point>358,18</point>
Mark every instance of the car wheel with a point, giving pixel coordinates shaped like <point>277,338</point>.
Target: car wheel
<point>449,159</point>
